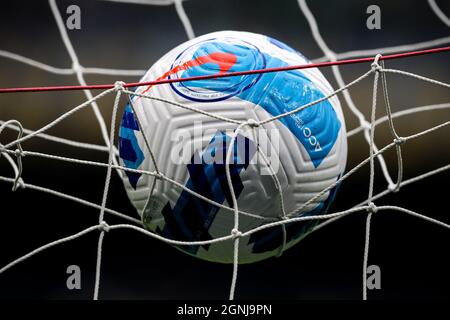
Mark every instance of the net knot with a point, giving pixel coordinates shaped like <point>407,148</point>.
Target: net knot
<point>19,152</point>
<point>18,183</point>
<point>331,55</point>
<point>375,65</point>
<point>236,233</point>
<point>253,123</point>
<point>158,175</point>
<point>77,67</point>
<point>18,179</point>
<point>103,226</point>
<point>399,140</point>
<point>372,208</point>
<point>119,85</point>
<point>365,125</point>
<point>392,187</point>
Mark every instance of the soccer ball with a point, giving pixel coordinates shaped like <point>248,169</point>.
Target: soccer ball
<point>299,154</point>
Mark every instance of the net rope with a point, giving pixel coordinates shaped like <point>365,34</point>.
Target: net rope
<point>13,151</point>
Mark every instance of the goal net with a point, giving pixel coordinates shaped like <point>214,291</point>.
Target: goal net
<point>55,152</point>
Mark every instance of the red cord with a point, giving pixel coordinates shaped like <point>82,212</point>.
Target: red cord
<point>229,74</point>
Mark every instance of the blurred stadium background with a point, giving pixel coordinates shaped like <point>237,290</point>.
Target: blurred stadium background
<point>411,253</point>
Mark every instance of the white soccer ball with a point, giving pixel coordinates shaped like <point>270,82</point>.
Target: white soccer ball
<point>304,152</point>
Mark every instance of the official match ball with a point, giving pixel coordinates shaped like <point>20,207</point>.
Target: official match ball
<point>190,126</point>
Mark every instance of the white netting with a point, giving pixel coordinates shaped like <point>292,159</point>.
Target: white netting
<point>13,149</point>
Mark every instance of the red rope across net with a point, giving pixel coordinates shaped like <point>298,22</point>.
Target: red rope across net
<point>228,74</point>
